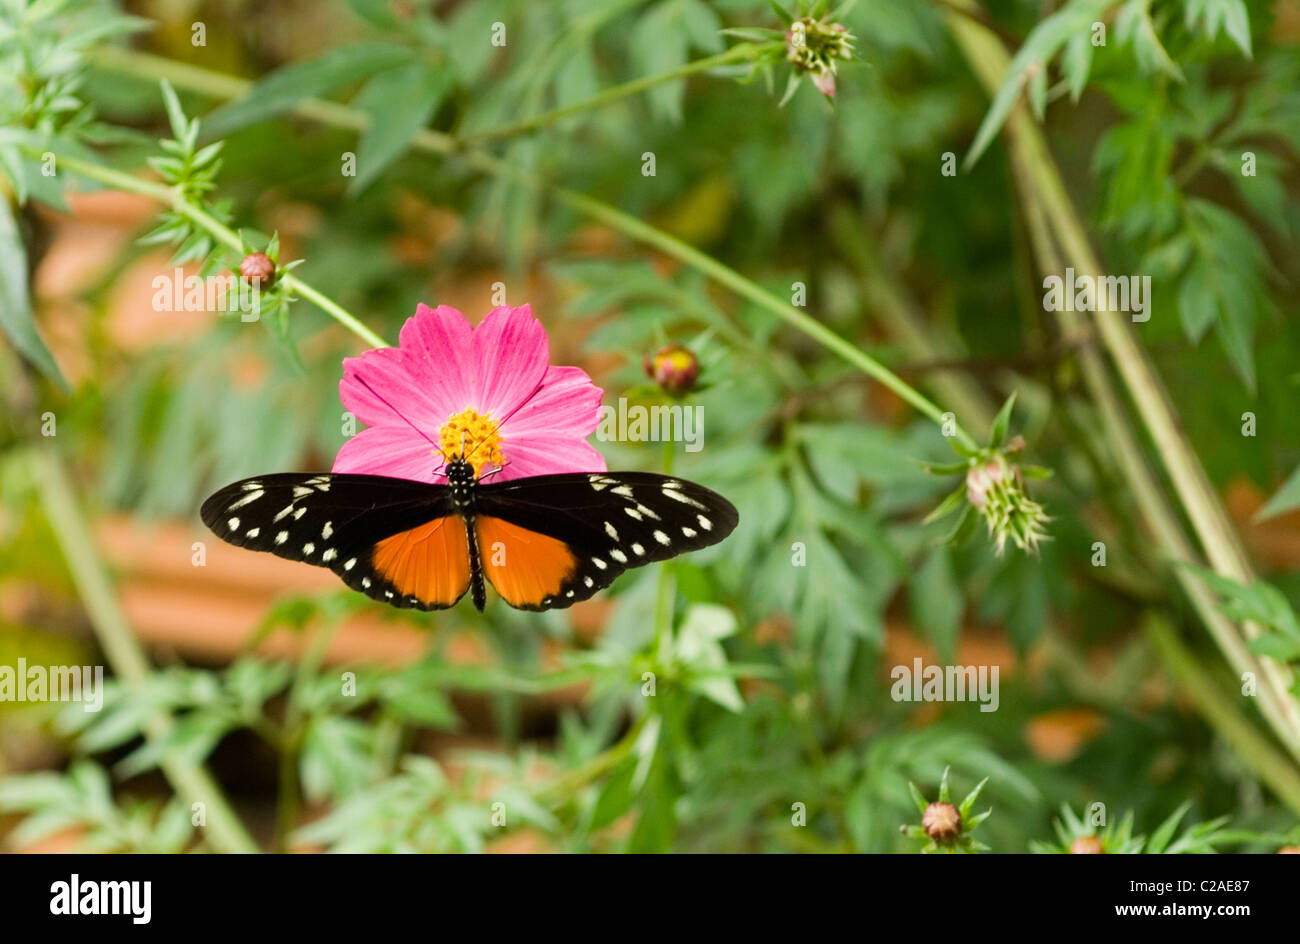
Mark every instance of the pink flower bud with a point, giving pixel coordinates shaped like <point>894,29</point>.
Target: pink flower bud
<point>258,268</point>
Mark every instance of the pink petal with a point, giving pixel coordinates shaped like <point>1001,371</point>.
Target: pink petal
<point>511,353</point>
<point>392,451</point>
<point>566,402</point>
<point>439,349</point>
<point>543,454</point>
<point>380,389</point>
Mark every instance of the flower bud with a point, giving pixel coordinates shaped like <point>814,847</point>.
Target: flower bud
<point>1086,845</point>
<point>814,46</point>
<point>674,368</point>
<point>979,480</point>
<point>941,822</point>
<point>258,268</point>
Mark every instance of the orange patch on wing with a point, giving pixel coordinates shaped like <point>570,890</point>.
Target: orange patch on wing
<point>430,563</point>
<point>525,567</point>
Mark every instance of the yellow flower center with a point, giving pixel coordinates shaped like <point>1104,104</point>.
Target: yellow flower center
<point>472,436</point>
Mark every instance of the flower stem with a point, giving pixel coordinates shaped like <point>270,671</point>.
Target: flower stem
<point>1039,173</point>
<point>562,789</point>
<point>1160,519</point>
<point>1273,768</point>
<point>215,84</point>
<point>171,197</point>
<point>609,96</point>
<point>224,830</point>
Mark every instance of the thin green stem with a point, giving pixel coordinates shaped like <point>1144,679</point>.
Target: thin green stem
<point>1160,519</point>
<point>607,97</point>
<point>1273,768</point>
<point>1052,211</point>
<point>561,790</point>
<point>224,830</point>
<point>922,341</point>
<point>172,198</point>
<point>217,85</point>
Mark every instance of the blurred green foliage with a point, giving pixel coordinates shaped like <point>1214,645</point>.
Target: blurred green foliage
<point>772,693</point>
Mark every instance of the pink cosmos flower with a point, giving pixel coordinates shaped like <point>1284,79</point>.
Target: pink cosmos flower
<point>489,394</point>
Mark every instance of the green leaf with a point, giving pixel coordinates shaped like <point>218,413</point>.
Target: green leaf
<point>965,527</point>
<point>417,705</point>
<point>1160,839</point>
<point>15,304</point>
<point>698,648</point>
<point>1077,63</point>
<point>615,798</point>
<point>1286,498</point>
<point>659,44</point>
<point>922,804</point>
<point>192,738</point>
<point>1197,307</point>
<point>1276,646</point>
<point>1042,43</point>
<point>1002,423</point>
<point>954,500</point>
<point>286,87</point>
<point>180,125</point>
<point>336,759</point>
<point>1230,15</point>
<point>703,25</point>
<point>399,102</point>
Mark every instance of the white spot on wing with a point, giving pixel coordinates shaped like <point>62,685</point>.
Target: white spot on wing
<point>329,555</point>
<point>254,532</point>
<point>247,499</point>
<point>350,564</point>
<point>588,581</point>
<point>300,491</point>
<point>284,512</point>
<point>618,556</point>
<point>282,537</point>
<point>662,538</point>
<point>647,512</point>
<point>689,532</point>
<point>705,523</point>
<point>633,513</point>
<point>684,499</point>
<point>233,524</point>
<point>609,529</point>
<point>599,563</point>
<point>308,548</point>
<point>326,531</point>
<point>624,490</point>
<point>299,513</point>
<point>638,550</point>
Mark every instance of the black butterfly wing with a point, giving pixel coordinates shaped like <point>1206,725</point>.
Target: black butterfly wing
<point>549,541</point>
<point>397,541</point>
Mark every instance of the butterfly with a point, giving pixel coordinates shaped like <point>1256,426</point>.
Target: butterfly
<point>543,542</point>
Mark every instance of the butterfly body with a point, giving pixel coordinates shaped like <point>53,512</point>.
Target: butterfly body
<point>543,542</point>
